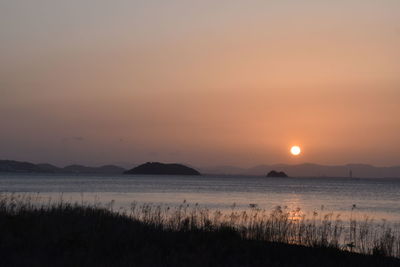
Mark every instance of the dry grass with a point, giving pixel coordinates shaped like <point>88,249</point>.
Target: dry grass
<point>34,232</point>
<point>280,225</point>
<point>277,226</point>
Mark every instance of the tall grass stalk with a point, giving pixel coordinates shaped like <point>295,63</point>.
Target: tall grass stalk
<point>279,225</point>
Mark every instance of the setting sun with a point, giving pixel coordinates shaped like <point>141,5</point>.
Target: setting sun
<point>295,150</point>
<point>215,123</point>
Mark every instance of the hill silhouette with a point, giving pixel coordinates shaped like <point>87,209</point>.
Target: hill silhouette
<point>13,166</point>
<point>18,166</point>
<point>276,174</point>
<point>300,170</point>
<point>158,168</point>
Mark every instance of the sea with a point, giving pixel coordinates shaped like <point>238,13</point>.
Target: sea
<point>373,198</point>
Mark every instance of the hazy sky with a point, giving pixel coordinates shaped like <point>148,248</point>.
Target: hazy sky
<point>200,82</point>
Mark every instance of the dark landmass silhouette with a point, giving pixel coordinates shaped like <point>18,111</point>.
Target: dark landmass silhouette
<point>13,166</point>
<point>300,170</point>
<point>276,174</point>
<point>158,168</point>
<point>18,166</point>
<point>45,167</point>
<point>311,170</point>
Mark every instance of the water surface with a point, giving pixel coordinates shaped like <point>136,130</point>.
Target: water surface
<point>377,198</point>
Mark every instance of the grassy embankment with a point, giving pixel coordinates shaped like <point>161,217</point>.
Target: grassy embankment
<point>65,234</point>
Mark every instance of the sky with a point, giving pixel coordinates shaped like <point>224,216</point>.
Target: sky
<point>200,82</point>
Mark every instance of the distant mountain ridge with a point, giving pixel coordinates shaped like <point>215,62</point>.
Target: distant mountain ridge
<point>311,170</point>
<point>299,170</point>
<point>18,166</point>
<point>27,167</point>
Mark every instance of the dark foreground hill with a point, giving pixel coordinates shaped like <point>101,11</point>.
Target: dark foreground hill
<point>66,235</point>
<point>157,168</point>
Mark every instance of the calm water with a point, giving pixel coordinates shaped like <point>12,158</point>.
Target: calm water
<point>377,198</point>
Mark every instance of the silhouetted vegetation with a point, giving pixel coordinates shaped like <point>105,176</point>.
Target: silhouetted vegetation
<point>64,234</point>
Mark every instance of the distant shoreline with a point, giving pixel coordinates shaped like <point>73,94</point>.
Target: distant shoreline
<point>306,170</point>
<point>205,175</point>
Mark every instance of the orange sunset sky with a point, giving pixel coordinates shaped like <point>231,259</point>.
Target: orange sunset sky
<point>200,82</point>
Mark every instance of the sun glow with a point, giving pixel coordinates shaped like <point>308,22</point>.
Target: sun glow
<point>295,150</point>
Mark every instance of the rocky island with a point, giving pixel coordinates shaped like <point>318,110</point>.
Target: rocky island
<point>276,174</point>
<point>157,168</point>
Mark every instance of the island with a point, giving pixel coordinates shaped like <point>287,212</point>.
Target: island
<point>276,174</point>
<point>157,168</point>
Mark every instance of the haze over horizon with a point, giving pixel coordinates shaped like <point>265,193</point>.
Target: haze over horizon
<point>205,83</point>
